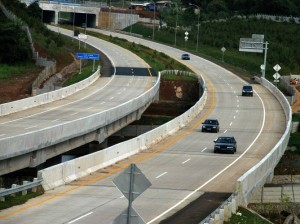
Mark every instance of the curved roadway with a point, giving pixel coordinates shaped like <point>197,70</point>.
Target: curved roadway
<point>133,79</point>
<point>182,167</point>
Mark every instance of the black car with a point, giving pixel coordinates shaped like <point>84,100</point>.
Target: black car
<point>211,125</point>
<point>225,144</point>
<point>185,56</point>
<point>247,90</point>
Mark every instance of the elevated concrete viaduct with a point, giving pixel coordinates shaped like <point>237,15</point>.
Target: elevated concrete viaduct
<point>78,14</point>
<point>36,157</point>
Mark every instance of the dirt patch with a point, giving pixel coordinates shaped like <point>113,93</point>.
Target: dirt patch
<point>17,87</point>
<point>296,105</point>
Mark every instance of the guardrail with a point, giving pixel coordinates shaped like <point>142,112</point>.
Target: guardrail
<point>20,188</point>
<point>255,178</point>
<point>74,169</point>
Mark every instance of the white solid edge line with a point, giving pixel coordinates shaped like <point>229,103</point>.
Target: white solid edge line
<point>80,217</point>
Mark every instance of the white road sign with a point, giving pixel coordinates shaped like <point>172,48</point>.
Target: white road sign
<point>276,76</point>
<point>82,36</point>
<point>277,67</point>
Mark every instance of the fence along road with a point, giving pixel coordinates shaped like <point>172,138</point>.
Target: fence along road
<point>32,129</point>
<point>186,166</point>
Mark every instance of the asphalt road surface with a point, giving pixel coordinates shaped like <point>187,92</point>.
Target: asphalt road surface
<point>181,168</point>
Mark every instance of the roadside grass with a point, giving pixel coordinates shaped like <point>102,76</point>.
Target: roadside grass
<point>18,199</point>
<point>246,216</point>
<point>86,72</point>
<point>9,71</point>
<point>157,60</point>
<point>180,77</point>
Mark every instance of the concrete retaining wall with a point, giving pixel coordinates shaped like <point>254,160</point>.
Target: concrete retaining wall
<point>19,105</point>
<point>74,169</point>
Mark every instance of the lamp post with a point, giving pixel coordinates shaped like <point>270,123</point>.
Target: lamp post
<point>130,18</point>
<point>109,19</point>
<point>197,25</point>
<point>153,21</point>
<point>176,23</point>
<point>85,24</point>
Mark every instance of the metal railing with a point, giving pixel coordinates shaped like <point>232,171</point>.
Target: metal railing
<point>20,188</point>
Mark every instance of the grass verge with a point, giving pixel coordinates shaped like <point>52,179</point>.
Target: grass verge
<point>246,216</point>
<point>18,199</point>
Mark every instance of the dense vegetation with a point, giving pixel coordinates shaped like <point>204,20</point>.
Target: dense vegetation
<point>221,8</point>
<point>42,37</point>
<point>14,45</point>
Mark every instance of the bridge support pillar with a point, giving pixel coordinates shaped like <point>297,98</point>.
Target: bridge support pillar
<point>56,17</point>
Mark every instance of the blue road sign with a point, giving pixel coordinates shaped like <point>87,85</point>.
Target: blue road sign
<point>87,56</point>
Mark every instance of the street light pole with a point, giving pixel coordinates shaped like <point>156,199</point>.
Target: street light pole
<point>197,25</point>
<point>153,21</point>
<point>176,22</point>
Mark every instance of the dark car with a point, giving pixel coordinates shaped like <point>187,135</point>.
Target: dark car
<point>185,57</point>
<point>225,144</point>
<point>211,125</point>
<point>247,90</point>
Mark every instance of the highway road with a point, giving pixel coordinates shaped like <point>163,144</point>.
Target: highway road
<point>131,78</point>
<point>182,167</point>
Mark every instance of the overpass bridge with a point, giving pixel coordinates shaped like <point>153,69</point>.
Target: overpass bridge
<point>86,14</point>
<point>78,12</point>
<point>30,137</point>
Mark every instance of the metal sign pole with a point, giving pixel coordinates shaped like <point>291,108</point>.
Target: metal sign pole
<point>80,67</point>
<point>265,59</point>
<point>93,65</point>
<point>132,170</point>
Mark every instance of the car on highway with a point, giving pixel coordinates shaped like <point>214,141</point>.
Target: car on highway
<point>225,144</point>
<point>211,125</point>
<point>247,90</point>
<point>185,56</point>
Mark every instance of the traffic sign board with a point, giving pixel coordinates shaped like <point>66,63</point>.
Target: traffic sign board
<point>87,56</point>
<point>124,182</point>
<point>251,45</point>
<point>82,36</point>
<point>276,76</point>
<point>277,67</point>
<point>223,49</point>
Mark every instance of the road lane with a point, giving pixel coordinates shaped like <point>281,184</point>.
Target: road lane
<point>204,171</point>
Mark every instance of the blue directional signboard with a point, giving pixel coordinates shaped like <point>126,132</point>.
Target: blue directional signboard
<point>87,56</point>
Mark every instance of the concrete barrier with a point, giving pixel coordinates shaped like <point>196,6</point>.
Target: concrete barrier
<point>74,169</point>
<point>256,177</point>
<point>19,105</point>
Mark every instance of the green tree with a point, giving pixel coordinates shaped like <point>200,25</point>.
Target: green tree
<point>15,45</point>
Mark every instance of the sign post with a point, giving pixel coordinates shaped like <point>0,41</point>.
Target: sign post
<point>223,49</point>
<point>186,37</point>
<point>87,56</point>
<point>132,183</point>
<point>255,44</point>
<point>276,76</point>
<point>82,37</point>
